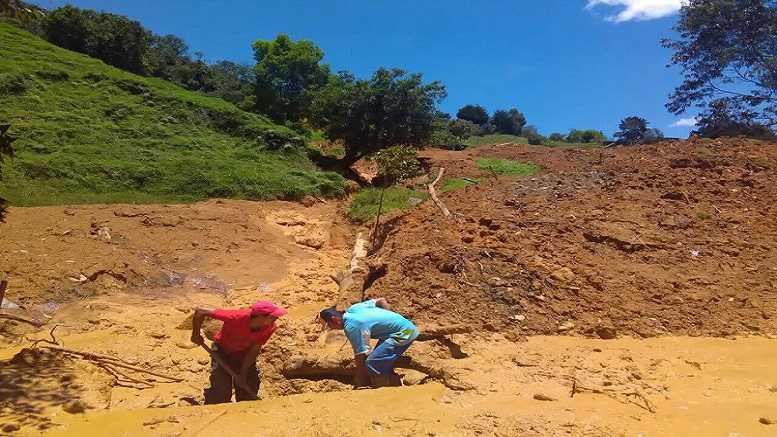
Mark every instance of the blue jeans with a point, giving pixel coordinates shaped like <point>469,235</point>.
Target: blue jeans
<point>381,360</point>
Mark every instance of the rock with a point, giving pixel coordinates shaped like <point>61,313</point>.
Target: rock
<point>312,241</point>
<point>543,397</point>
<point>308,201</point>
<point>606,332</point>
<point>564,274</point>
<point>75,407</point>
<point>158,335</point>
<point>11,427</point>
<point>566,326</point>
<point>519,317</point>
<point>203,361</point>
<point>768,420</point>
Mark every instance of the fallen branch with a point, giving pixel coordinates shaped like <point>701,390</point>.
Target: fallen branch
<point>113,361</point>
<point>345,279</point>
<point>433,194</point>
<point>34,323</point>
<point>3,287</point>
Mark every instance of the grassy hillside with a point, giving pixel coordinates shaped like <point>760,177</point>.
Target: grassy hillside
<point>92,133</point>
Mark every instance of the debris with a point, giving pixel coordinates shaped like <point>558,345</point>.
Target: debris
<point>768,421</point>
<point>433,194</point>
<point>312,241</point>
<point>11,427</point>
<point>543,397</point>
<point>564,274</point>
<point>566,326</point>
<point>606,332</point>
<point>75,407</point>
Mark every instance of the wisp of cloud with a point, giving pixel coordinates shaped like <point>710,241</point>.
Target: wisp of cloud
<point>639,10</point>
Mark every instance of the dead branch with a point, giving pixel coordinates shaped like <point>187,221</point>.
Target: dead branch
<point>113,361</point>
<point>346,279</point>
<point>53,341</point>
<point>34,323</point>
<point>3,287</point>
<point>433,194</point>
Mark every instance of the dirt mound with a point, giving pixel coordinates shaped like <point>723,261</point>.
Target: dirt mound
<point>678,237</point>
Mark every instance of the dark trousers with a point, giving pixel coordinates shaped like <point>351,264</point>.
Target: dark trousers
<point>221,383</point>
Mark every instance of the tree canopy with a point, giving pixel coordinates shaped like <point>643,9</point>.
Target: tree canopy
<point>287,75</point>
<point>473,113</point>
<point>635,130</point>
<point>585,136</point>
<point>393,107</point>
<point>728,52</point>
<point>508,122</point>
<point>462,129</point>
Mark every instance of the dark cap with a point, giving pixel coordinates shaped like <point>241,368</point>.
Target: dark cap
<point>328,313</point>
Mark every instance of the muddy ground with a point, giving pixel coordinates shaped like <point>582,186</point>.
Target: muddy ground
<point>617,292</point>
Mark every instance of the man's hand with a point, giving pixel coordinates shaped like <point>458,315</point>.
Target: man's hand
<point>197,339</point>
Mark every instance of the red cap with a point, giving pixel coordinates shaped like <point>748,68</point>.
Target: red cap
<point>267,308</point>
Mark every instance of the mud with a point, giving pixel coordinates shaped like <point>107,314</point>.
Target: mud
<point>608,244</point>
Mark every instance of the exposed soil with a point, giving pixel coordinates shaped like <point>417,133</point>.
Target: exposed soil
<point>676,238</point>
<point>617,244</point>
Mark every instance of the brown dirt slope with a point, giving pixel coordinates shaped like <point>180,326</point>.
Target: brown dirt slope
<point>678,237</point>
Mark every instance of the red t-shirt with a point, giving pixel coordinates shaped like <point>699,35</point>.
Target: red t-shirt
<point>236,335</point>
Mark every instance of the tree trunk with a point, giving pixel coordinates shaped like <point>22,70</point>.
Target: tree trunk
<point>377,219</point>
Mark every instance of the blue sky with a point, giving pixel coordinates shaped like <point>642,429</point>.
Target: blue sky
<point>563,63</point>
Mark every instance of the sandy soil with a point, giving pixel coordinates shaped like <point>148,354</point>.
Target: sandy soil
<point>689,348</point>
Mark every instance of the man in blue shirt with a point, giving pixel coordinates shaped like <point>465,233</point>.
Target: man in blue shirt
<point>374,319</point>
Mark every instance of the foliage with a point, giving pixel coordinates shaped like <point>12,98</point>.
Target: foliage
<point>5,149</point>
<point>533,136</point>
<point>366,202</point>
<point>391,108</point>
<point>440,133</point>
<point>475,114</point>
<point>585,136</point>
<point>508,122</point>
<point>557,137</point>
<point>727,118</point>
<point>397,163</point>
<point>728,52</point>
<point>487,140</point>
<point>454,184</point>
<point>287,75</point>
<point>93,133</point>
<point>462,129</point>
<point>506,167</point>
<point>24,15</point>
<point>635,130</point>
<point>114,39</point>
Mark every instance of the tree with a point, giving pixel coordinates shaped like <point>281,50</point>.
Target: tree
<point>391,108</point>
<point>726,118</point>
<point>652,135</point>
<point>5,150</point>
<point>288,73</point>
<point>508,122</point>
<point>556,137</point>
<point>533,136</point>
<point>473,113</point>
<point>395,164</point>
<point>632,130</point>
<point>462,129</point>
<point>114,39</point>
<point>585,136</point>
<point>727,50</point>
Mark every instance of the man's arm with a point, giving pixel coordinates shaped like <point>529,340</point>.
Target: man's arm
<point>382,303</point>
<point>197,319</point>
<point>362,376</point>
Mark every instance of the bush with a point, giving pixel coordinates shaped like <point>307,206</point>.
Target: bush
<point>475,114</point>
<point>586,136</point>
<point>508,122</point>
<point>462,129</point>
<point>556,137</point>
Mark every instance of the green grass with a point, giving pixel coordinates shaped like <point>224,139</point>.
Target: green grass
<point>506,167</point>
<point>90,133</point>
<point>703,215</point>
<point>454,184</point>
<point>487,140</point>
<point>365,203</point>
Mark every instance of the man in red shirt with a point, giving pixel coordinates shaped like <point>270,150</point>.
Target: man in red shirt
<point>238,343</point>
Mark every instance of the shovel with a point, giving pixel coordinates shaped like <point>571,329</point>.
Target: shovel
<point>229,370</point>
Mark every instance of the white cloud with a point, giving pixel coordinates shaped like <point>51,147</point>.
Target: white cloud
<point>685,122</point>
<point>639,10</point>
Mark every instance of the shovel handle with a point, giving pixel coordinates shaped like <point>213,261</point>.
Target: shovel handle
<point>229,370</point>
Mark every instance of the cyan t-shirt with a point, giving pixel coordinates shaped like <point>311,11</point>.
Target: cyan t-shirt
<point>363,321</point>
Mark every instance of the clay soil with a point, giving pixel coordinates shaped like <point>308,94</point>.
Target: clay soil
<point>617,292</point>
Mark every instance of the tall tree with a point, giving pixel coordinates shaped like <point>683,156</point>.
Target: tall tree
<point>287,75</point>
<point>391,108</point>
<point>728,52</point>
<point>508,122</point>
<point>632,130</point>
<point>473,113</point>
